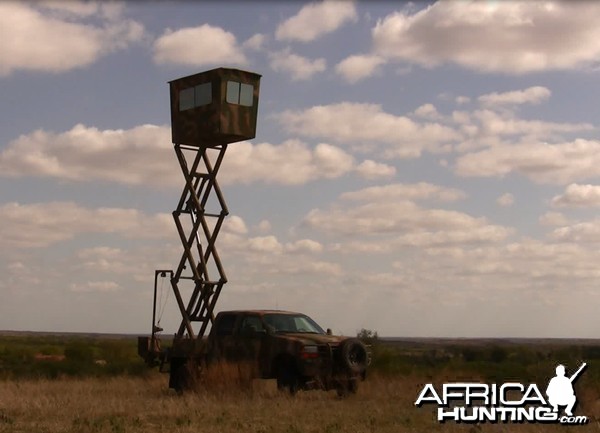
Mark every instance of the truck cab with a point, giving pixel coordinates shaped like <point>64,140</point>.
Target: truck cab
<point>289,347</point>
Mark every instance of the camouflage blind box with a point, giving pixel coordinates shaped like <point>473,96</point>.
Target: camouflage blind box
<point>215,107</point>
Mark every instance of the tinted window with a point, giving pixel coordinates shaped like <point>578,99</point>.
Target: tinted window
<point>240,93</point>
<point>246,94</point>
<point>290,323</point>
<point>186,99</point>
<point>197,96</point>
<point>225,324</point>
<point>233,92</point>
<point>203,94</point>
<point>251,325</point>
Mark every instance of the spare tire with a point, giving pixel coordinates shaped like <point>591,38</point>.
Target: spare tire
<point>353,356</point>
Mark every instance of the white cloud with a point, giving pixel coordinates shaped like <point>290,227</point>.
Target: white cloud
<point>143,155</point>
<point>291,163</point>
<point>531,95</point>
<point>43,224</point>
<point>265,244</point>
<point>583,232</point>
<point>553,219</point>
<point>497,124</point>
<point>255,42</point>
<point>138,263</point>
<point>406,191</point>
<point>358,67</point>
<point>33,39</point>
<point>509,37</point>
<point>264,226</point>
<point>235,224</point>
<point>307,246</point>
<point>315,20</point>
<point>542,264</point>
<point>95,286</point>
<point>427,111</point>
<point>479,233</point>
<point>198,46</point>
<point>138,156</point>
<point>505,200</point>
<point>541,162</point>
<point>72,8</point>
<point>505,123</point>
<point>349,122</point>
<point>371,170</point>
<point>577,195</point>
<point>383,216</point>
<point>298,67</point>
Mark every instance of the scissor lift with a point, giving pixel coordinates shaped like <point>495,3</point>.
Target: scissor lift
<point>208,111</point>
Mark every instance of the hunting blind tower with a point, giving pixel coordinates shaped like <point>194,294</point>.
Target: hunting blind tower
<point>209,110</point>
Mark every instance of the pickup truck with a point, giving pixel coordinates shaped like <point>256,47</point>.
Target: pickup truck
<point>286,346</point>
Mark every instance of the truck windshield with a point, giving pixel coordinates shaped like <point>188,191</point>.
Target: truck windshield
<point>292,323</point>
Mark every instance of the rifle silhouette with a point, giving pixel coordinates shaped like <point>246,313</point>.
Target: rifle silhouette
<point>578,372</point>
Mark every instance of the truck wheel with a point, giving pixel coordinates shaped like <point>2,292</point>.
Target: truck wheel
<point>287,377</point>
<point>183,376</point>
<point>353,356</point>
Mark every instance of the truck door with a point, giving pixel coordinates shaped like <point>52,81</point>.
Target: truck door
<point>251,341</point>
<point>224,342</point>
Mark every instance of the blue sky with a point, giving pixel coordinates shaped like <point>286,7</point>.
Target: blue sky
<point>419,169</point>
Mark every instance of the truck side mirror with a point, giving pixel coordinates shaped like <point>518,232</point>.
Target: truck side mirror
<point>329,331</point>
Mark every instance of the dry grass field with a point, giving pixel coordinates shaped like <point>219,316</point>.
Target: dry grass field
<point>145,405</point>
<point>41,394</point>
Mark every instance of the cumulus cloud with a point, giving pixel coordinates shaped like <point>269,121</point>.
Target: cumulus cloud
<point>531,95</point>
<point>577,195</point>
<point>235,224</point>
<point>143,155</point>
<point>542,162</point>
<point>349,122</point>
<point>307,246</point>
<point>405,223</point>
<point>315,20</point>
<point>138,156</point>
<point>508,37</point>
<point>427,111</point>
<point>372,170</point>
<point>583,232</point>
<point>42,224</point>
<point>198,46</point>
<point>95,286</point>
<point>255,42</point>
<point>390,211</point>
<point>541,264</point>
<point>291,163</point>
<point>268,254</point>
<point>505,200</point>
<point>358,67</point>
<point>506,123</point>
<point>497,123</point>
<point>553,219</point>
<point>298,67</point>
<point>138,263</point>
<point>407,191</point>
<point>32,37</point>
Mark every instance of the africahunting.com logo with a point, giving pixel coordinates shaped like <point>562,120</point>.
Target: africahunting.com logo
<point>471,402</point>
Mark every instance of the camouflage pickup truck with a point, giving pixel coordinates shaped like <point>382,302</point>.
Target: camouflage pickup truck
<point>286,346</point>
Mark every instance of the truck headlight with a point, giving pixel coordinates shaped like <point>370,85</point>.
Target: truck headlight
<point>309,352</point>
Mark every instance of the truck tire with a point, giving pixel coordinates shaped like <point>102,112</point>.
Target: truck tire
<point>353,356</point>
<point>287,377</point>
<point>183,376</point>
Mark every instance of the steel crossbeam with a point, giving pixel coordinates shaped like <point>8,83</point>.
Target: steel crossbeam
<point>198,229</point>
